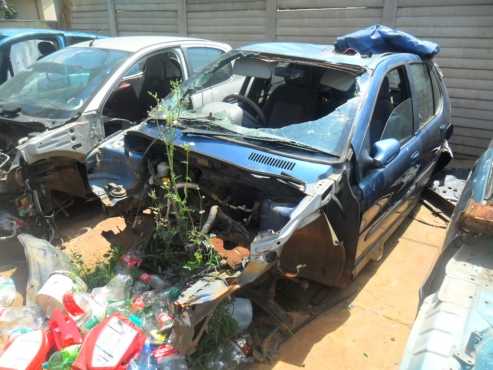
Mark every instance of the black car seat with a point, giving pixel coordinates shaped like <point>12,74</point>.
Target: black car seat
<point>381,114</point>
<point>45,48</point>
<point>155,83</point>
<point>293,102</point>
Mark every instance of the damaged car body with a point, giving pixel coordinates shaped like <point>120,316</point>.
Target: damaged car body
<point>57,110</point>
<point>458,286</point>
<point>306,157</point>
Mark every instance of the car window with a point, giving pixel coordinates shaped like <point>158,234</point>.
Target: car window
<point>199,57</point>
<point>25,53</point>
<point>393,112</point>
<point>424,95</point>
<point>437,92</point>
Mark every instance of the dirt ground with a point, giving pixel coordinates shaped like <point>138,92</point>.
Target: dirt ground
<point>366,331</point>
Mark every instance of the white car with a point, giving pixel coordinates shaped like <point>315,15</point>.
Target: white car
<point>64,105</point>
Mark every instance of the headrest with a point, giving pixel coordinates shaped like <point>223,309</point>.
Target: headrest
<point>154,67</point>
<point>336,79</point>
<point>46,47</point>
<point>253,68</point>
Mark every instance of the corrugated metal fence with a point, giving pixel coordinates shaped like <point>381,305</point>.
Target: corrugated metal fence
<point>463,28</point>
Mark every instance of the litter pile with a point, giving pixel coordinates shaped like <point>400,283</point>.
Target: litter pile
<point>129,323</point>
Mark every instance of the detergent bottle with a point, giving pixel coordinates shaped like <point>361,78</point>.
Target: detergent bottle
<point>27,351</point>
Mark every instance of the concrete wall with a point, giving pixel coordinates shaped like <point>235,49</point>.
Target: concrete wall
<point>463,28</point>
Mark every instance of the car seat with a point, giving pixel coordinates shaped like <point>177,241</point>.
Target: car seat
<point>293,102</point>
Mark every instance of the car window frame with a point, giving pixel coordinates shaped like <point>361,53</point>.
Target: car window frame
<point>136,59</point>
<point>417,124</point>
<point>203,46</point>
<point>404,67</point>
<point>436,75</point>
<point>58,39</point>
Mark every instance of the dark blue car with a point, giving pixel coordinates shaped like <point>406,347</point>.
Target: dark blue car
<point>313,156</point>
<point>21,47</point>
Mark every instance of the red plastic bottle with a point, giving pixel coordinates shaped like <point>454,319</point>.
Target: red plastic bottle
<point>111,345</point>
<point>64,330</point>
<point>26,351</point>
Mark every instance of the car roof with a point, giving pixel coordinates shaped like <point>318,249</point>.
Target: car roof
<point>134,44</point>
<point>20,32</point>
<point>323,53</point>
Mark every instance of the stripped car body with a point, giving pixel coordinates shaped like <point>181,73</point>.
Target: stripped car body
<point>318,192</point>
<point>453,325</point>
<point>64,105</point>
<point>21,47</point>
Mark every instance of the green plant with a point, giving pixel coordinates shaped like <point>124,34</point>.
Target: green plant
<point>176,204</point>
<point>104,270</point>
<point>7,11</point>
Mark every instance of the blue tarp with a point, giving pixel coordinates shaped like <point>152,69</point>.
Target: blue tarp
<point>381,39</point>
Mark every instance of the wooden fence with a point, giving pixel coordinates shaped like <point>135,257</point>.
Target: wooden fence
<point>463,28</point>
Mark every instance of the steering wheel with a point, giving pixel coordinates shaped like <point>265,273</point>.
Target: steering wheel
<point>250,103</point>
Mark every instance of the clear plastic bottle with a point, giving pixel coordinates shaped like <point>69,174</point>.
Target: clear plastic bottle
<point>154,281</point>
<point>145,360</point>
<point>84,309</point>
<point>168,358</point>
<point>63,360</point>
<point>8,293</point>
<point>26,316</point>
<point>118,289</point>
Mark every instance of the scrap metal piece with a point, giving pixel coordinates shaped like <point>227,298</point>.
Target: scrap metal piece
<point>477,218</point>
<point>234,257</point>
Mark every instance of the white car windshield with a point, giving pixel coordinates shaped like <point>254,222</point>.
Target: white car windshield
<point>275,98</point>
<point>61,83</point>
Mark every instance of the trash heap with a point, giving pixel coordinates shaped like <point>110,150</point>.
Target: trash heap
<point>126,324</point>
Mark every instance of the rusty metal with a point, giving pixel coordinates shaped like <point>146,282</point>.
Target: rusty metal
<point>477,218</point>
<point>234,257</point>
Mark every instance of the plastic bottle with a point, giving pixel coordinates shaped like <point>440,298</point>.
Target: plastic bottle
<point>118,289</point>
<point>110,345</point>
<point>154,281</point>
<point>145,360</point>
<point>8,292</point>
<point>26,316</point>
<point>86,311</point>
<point>168,358</point>
<point>26,351</point>
<point>130,262</point>
<point>63,360</point>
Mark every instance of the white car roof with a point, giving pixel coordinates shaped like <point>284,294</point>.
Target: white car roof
<point>134,44</point>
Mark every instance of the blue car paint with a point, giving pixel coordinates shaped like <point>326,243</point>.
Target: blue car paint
<point>392,189</point>
<point>9,36</point>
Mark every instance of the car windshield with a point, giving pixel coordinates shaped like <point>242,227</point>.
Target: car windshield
<point>274,99</point>
<point>60,84</point>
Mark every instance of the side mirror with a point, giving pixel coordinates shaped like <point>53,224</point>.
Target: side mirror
<point>384,151</point>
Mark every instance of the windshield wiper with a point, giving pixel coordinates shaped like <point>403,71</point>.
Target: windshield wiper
<point>271,141</point>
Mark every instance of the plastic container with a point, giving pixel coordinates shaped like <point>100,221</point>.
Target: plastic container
<point>26,351</point>
<point>111,345</point>
<point>50,296</point>
<point>8,293</point>
<point>242,312</point>
<point>63,330</point>
<point>63,360</point>
<point>168,358</point>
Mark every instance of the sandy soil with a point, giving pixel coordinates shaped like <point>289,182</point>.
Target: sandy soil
<point>366,331</point>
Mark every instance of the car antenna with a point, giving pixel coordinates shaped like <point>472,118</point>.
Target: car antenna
<point>91,42</point>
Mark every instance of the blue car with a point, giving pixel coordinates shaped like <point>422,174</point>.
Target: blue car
<point>313,156</point>
<point>21,47</point>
